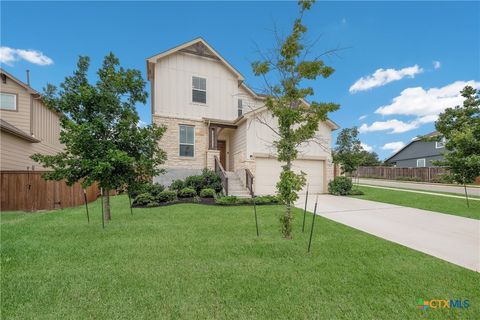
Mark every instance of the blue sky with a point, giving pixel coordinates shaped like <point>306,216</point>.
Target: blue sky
<point>426,50</point>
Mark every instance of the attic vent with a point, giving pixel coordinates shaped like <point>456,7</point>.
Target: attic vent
<point>4,78</point>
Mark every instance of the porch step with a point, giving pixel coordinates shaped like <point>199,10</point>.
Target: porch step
<point>236,187</point>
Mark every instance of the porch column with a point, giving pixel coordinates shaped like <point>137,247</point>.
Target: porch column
<point>212,137</point>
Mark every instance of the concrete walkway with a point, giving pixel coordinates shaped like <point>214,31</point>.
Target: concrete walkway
<point>448,237</point>
<point>433,187</point>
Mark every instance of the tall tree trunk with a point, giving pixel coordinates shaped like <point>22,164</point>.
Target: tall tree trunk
<point>287,218</point>
<point>106,205</point>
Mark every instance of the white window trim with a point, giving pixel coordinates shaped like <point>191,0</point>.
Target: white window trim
<point>440,144</point>
<point>206,88</point>
<point>15,100</point>
<point>424,163</point>
<point>186,144</point>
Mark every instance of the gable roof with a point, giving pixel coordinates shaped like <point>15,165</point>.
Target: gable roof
<point>418,138</point>
<point>20,83</point>
<point>329,122</point>
<point>197,46</point>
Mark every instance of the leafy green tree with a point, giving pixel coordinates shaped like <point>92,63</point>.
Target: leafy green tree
<point>297,122</point>
<point>348,150</point>
<point>369,159</point>
<point>100,132</point>
<point>460,126</point>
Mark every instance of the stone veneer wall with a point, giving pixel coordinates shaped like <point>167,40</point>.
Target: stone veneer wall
<point>180,167</point>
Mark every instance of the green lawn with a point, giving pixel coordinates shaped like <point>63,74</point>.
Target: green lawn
<point>192,261</point>
<point>448,205</point>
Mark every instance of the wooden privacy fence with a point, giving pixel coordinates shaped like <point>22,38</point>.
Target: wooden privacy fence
<point>424,174</point>
<point>28,191</point>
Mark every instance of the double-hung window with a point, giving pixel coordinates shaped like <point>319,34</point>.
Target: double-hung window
<point>187,141</point>
<point>240,107</point>
<point>421,163</point>
<point>199,90</point>
<point>8,101</point>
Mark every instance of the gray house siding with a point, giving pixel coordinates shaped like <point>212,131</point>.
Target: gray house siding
<point>411,163</point>
<point>408,156</point>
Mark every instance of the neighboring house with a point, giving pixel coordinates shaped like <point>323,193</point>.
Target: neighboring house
<point>210,113</point>
<point>27,126</point>
<point>418,153</point>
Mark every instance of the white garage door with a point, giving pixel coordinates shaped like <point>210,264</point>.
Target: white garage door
<point>268,170</point>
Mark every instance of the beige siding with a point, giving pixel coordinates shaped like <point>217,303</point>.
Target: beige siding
<point>21,117</point>
<point>46,124</point>
<point>16,152</point>
<point>238,147</point>
<point>173,88</point>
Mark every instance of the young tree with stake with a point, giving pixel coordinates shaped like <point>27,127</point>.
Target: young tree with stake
<point>297,122</point>
<point>100,132</point>
<point>460,127</point>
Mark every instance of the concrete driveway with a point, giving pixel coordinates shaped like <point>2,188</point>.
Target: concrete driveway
<point>451,238</point>
<point>433,187</point>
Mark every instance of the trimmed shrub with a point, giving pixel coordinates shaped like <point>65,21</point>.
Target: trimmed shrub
<point>138,188</point>
<point>194,182</point>
<point>187,193</point>
<point>152,188</point>
<point>211,180</point>
<point>155,189</point>
<point>340,186</point>
<point>267,200</point>
<point>207,193</point>
<point>167,196</point>
<point>226,200</point>
<point>177,185</point>
<point>143,199</point>
<point>152,204</point>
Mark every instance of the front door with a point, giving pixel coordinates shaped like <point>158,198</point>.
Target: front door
<point>222,147</point>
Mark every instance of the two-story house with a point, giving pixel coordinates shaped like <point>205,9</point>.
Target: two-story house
<point>420,152</point>
<point>27,126</point>
<point>210,113</point>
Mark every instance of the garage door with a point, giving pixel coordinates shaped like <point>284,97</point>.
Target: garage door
<point>268,170</point>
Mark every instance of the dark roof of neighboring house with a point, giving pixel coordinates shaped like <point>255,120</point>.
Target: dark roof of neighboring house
<point>418,138</point>
<point>9,128</point>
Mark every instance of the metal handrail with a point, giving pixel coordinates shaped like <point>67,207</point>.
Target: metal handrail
<point>249,180</point>
<point>221,171</point>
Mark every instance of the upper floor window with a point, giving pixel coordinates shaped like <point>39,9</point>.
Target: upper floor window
<point>187,141</point>
<point>440,144</point>
<point>240,107</point>
<point>199,90</point>
<point>420,162</point>
<point>8,101</point>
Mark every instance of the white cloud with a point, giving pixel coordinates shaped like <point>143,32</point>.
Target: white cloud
<point>436,64</point>
<point>420,102</point>
<point>366,147</point>
<point>383,76</point>
<point>10,55</point>
<point>394,125</point>
<point>394,146</point>
<point>362,117</point>
<point>7,55</point>
<point>397,126</point>
<point>141,123</point>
